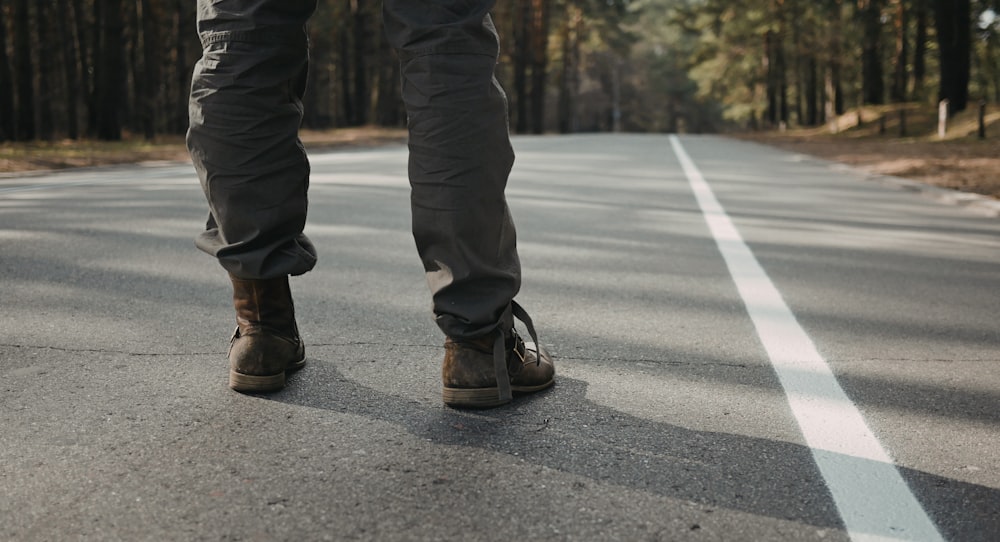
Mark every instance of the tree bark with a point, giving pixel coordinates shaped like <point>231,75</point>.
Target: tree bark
<point>812,92</point>
<point>991,62</point>
<point>920,46</point>
<point>872,86</point>
<point>152,15</point>
<point>84,46</point>
<point>797,49</point>
<point>779,65</point>
<point>46,70</point>
<point>839,104</point>
<point>6,83</point>
<point>539,63</point>
<point>772,78</point>
<point>387,108</point>
<point>151,65</point>
<point>24,129</point>
<point>135,84</point>
<point>71,67</point>
<point>522,56</point>
<point>954,29</point>
<point>900,77</point>
<point>319,103</point>
<point>184,15</point>
<point>346,89</point>
<point>362,97</point>
<point>568,83</point>
<point>781,71</point>
<point>110,84</point>
<point>836,88</point>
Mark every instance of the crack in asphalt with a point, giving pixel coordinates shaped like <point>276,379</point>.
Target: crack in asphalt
<point>106,350</point>
<point>672,363</point>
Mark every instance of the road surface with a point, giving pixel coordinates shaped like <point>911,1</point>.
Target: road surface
<point>751,345</point>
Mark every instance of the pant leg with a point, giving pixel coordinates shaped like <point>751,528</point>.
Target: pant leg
<point>460,158</point>
<point>245,111</point>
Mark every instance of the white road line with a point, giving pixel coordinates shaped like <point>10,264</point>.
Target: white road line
<point>873,499</point>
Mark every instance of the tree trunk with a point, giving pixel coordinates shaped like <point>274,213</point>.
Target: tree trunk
<point>151,64</point>
<point>812,92</point>
<point>387,111</point>
<point>900,77</point>
<point>829,105</point>
<point>25,121</point>
<point>46,70</point>
<point>111,71</point>
<point>772,78</point>
<point>346,89</point>
<point>6,84</point>
<point>97,39</point>
<point>920,47</point>
<point>522,55</point>
<point>135,84</point>
<point>672,117</point>
<point>71,67</point>
<point>568,83</point>
<point>84,47</point>
<point>797,50</point>
<point>780,67</point>
<point>539,63</point>
<point>781,71</point>
<point>616,93</point>
<point>184,13</point>
<point>362,97</point>
<point>835,90</point>
<point>319,103</point>
<point>873,89</point>
<point>991,60</point>
<point>954,29</point>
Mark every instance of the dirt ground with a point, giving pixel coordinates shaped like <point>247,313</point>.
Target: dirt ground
<point>969,165</point>
<point>18,157</point>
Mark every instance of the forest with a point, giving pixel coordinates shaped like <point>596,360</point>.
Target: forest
<point>113,69</point>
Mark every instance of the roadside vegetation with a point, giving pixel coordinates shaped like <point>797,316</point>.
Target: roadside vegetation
<point>42,155</point>
<point>960,160</point>
<point>90,82</point>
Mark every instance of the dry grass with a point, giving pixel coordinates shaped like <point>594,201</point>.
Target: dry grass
<point>960,161</point>
<point>65,154</point>
<point>15,157</point>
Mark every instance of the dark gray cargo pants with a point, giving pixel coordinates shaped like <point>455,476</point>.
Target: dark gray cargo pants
<point>245,113</point>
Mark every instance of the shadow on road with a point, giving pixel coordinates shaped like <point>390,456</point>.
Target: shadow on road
<point>562,430</point>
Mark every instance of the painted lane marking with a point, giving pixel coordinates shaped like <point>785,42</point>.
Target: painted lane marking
<point>873,499</point>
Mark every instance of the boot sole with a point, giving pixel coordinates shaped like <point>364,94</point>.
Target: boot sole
<point>255,383</point>
<point>484,397</point>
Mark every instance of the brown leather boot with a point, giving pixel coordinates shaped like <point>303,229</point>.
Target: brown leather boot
<point>483,373</point>
<point>266,344</point>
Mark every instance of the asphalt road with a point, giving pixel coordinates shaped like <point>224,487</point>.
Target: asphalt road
<point>681,301</point>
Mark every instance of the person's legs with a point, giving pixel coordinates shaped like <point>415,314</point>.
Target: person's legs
<point>245,112</point>
<point>460,158</point>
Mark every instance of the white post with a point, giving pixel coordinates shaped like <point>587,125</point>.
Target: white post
<point>942,118</point>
